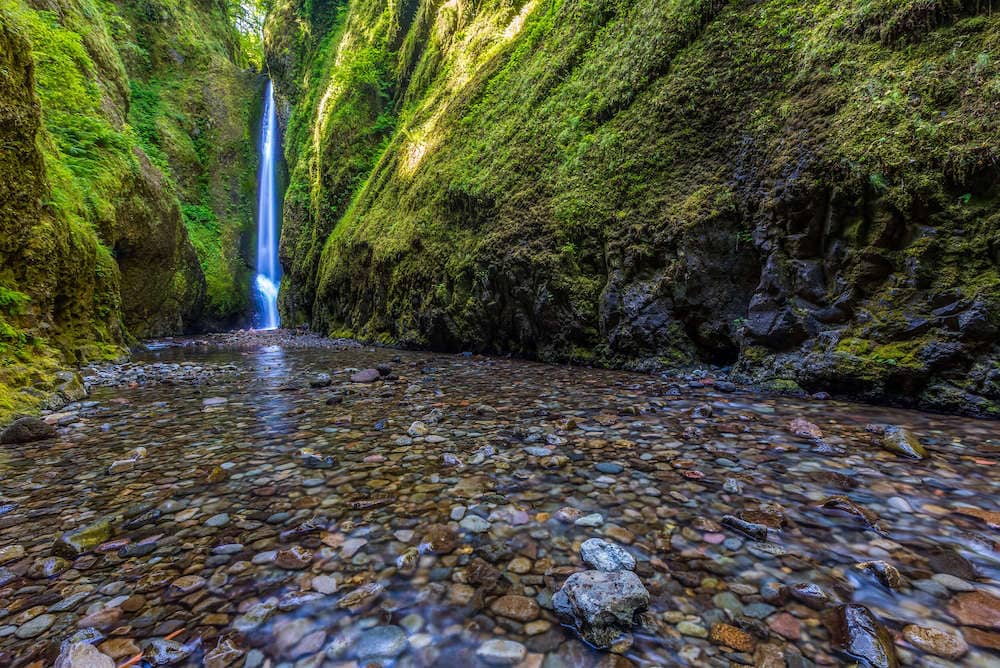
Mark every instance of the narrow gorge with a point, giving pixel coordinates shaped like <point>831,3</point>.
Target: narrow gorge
<point>531,333</point>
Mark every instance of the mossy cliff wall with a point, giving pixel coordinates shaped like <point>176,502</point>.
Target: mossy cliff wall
<point>806,190</point>
<point>106,149</point>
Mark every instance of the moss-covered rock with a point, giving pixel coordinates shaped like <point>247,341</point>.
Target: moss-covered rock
<point>808,190</point>
<point>95,243</point>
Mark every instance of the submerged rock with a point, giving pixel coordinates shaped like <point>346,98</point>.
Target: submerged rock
<point>601,605</point>
<point>27,430</point>
<point>949,645</point>
<point>381,642</point>
<point>83,655</point>
<point>858,634</point>
<point>75,542</point>
<point>885,573</point>
<point>366,376</point>
<point>898,440</point>
<point>499,652</point>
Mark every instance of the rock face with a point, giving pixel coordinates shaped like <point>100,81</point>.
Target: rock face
<point>102,189</point>
<point>27,430</point>
<point>828,266</point>
<point>601,605</point>
<point>856,633</point>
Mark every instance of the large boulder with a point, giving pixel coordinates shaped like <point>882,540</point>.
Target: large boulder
<point>27,430</point>
<point>601,605</point>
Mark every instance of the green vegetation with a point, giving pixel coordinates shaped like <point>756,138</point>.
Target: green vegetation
<point>113,116</point>
<point>501,176</point>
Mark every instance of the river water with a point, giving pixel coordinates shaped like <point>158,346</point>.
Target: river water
<point>283,517</point>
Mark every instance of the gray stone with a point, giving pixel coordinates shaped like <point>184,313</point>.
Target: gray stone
<point>35,626</point>
<point>601,605</point>
<point>604,556</point>
<point>380,642</point>
<point>500,652</point>
<point>475,524</point>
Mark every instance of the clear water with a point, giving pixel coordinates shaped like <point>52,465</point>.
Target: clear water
<point>268,269</point>
<point>228,429</point>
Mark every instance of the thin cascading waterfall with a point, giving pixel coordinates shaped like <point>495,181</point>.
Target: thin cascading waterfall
<point>268,268</point>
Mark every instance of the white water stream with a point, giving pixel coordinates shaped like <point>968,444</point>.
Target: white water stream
<point>268,268</point>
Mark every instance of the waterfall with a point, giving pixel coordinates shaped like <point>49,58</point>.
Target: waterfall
<point>268,269</point>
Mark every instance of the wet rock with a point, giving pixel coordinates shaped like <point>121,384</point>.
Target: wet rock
<point>475,524</point>
<point>162,652</point>
<point>499,652</point>
<point>591,520</point>
<point>254,617</point>
<point>75,542</point>
<point>604,556</point>
<point>120,648</point>
<point>48,567</point>
<point>845,505</point>
<point>981,638</point>
<point>810,594</point>
<point>567,515</point>
<point>749,529</point>
<point>898,440</point>
<point>320,380</point>
<point>27,430</point>
<point>294,558</point>
<point>885,573</point>
<point>785,625</point>
<point>366,376</point>
<point>83,655</point>
<point>730,636</point>
<point>362,596</point>
<point>10,553</point>
<point>227,652</point>
<point>949,645</point>
<point>35,626</point>
<point>856,633</point>
<point>976,608</point>
<point>805,429</point>
<point>702,411</point>
<point>183,586</point>
<point>438,539</point>
<point>521,608</point>
<point>692,629</point>
<point>601,605</point>
<point>381,642</point>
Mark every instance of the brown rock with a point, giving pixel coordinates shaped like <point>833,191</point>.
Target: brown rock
<point>981,638</point>
<point>294,558</point>
<point>119,648</point>
<point>936,641</point>
<point>976,608</point>
<point>769,655</point>
<point>439,539</point>
<point>785,625</point>
<point>521,608</point>
<point>856,633</point>
<point>730,636</point>
<point>102,619</point>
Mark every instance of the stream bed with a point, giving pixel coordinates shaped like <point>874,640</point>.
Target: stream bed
<point>240,501</point>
